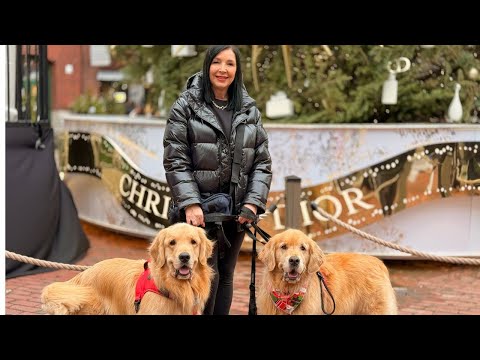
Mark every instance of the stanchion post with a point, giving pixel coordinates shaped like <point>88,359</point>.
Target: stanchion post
<point>293,214</point>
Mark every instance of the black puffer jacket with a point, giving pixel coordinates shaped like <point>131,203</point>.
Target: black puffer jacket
<point>198,155</point>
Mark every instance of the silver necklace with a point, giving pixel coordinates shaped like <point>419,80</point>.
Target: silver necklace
<point>218,106</point>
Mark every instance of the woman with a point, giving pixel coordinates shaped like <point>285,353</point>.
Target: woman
<point>199,145</point>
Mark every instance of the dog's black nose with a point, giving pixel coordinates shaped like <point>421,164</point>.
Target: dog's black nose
<point>294,261</point>
<point>184,257</point>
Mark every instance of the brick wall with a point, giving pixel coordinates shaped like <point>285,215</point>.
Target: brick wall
<point>65,88</point>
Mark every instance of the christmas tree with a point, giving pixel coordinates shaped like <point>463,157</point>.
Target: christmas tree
<point>329,84</point>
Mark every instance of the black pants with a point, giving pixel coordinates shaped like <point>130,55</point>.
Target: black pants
<point>221,292</point>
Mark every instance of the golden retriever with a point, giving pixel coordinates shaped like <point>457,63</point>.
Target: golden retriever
<point>359,283</point>
<point>178,267</point>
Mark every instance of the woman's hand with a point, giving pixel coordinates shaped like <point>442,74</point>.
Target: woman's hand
<point>242,219</point>
<point>194,215</point>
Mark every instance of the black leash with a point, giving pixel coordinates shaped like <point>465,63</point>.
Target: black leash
<point>252,305</point>
<point>322,280</point>
<point>258,230</point>
<point>262,232</point>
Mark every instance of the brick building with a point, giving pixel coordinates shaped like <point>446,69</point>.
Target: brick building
<point>77,70</point>
<point>71,74</point>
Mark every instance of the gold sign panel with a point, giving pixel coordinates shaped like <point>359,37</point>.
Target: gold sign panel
<point>367,195</point>
<point>359,198</point>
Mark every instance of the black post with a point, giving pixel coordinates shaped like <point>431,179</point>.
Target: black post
<point>28,87</point>
<point>19,82</point>
<point>43,82</point>
<point>8,82</point>
<point>293,214</point>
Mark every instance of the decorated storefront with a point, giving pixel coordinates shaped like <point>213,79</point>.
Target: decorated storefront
<point>415,185</point>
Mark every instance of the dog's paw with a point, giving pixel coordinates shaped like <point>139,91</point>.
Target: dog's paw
<point>55,309</point>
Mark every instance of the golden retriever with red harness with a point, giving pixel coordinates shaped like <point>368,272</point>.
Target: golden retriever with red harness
<point>176,280</point>
<point>299,280</point>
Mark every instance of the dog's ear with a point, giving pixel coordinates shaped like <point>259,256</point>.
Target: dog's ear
<point>267,255</point>
<point>157,249</point>
<point>317,257</point>
<point>206,246</point>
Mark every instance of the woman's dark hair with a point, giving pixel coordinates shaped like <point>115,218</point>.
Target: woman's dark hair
<point>235,90</point>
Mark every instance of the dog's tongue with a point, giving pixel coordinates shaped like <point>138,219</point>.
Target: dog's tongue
<point>292,274</point>
<point>184,270</point>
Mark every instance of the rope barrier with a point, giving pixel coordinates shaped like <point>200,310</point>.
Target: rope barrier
<point>421,254</point>
<point>447,259</point>
<point>44,263</point>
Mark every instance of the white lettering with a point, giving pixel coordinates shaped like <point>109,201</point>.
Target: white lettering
<point>140,194</point>
<point>125,179</point>
<point>153,199</point>
<point>128,189</point>
<point>305,214</point>
<point>166,204</point>
<point>276,218</point>
<point>336,203</point>
<point>357,200</point>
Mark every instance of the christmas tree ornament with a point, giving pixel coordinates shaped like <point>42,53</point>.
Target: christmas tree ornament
<point>473,73</point>
<point>183,50</point>
<point>475,119</point>
<point>279,106</point>
<point>455,111</point>
<point>390,90</point>
<point>390,86</point>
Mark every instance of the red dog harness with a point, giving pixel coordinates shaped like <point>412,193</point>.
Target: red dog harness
<point>146,284</point>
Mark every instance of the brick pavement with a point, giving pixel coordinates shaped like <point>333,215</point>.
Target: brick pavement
<point>423,288</point>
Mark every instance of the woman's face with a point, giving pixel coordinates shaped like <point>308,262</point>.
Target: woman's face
<point>222,71</point>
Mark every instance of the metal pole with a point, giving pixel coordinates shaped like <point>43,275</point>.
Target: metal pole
<point>19,82</point>
<point>11,66</point>
<point>43,82</point>
<point>293,213</point>
<point>28,86</point>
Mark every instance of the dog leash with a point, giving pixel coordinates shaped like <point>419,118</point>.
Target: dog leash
<point>252,305</point>
<point>322,280</point>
